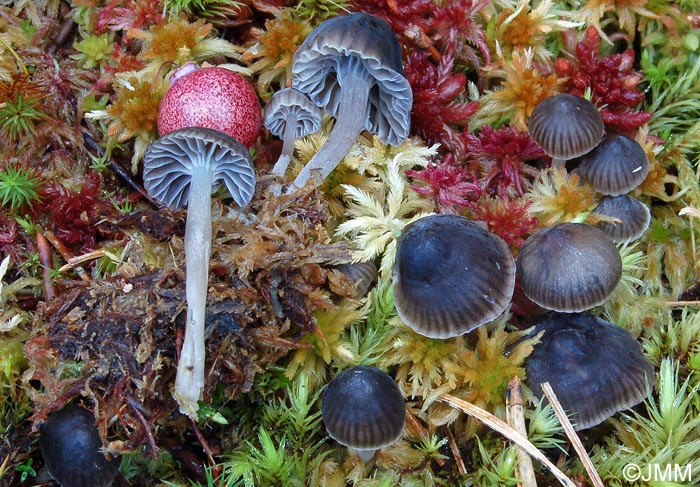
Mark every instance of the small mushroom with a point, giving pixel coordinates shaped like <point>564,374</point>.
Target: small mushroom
<point>363,409</point>
<point>569,267</point>
<point>616,166</point>
<point>594,367</point>
<point>290,115</point>
<point>350,66</point>
<point>634,217</point>
<point>451,276</point>
<point>72,449</point>
<point>362,274</point>
<point>565,126</point>
<point>183,168</point>
<point>214,98</point>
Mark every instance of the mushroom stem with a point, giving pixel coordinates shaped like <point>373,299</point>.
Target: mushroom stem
<point>290,125</point>
<point>189,381</point>
<point>558,163</point>
<point>352,114</point>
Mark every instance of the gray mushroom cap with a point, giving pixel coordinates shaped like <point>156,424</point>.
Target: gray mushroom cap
<point>71,447</point>
<point>569,267</point>
<point>451,276</point>
<point>169,161</point>
<point>292,102</point>
<point>634,217</point>
<point>566,126</point>
<point>616,166</point>
<point>363,408</point>
<point>325,53</point>
<point>595,368</point>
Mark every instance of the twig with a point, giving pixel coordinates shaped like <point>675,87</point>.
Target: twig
<point>46,261</point>
<point>63,34</point>
<point>573,437</point>
<point>515,414</point>
<point>679,304</point>
<point>500,426</point>
<point>455,452</point>
<point>121,173</point>
<point>146,428</point>
<point>66,254</point>
<point>203,442</point>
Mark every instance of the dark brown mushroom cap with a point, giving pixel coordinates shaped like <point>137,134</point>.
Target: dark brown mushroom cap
<point>363,408</point>
<point>566,126</point>
<point>362,274</point>
<point>569,267</point>
<point>369,39</point>
<point>292,102</point>
<point>616,166</point>
<point>70,446</point>
<point>451,276</point>
<point>594,367</point>
<point>634,217</point>
<point>169,161</point>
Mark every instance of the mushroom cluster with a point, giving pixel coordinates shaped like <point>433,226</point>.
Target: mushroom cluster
<point>570,127</point>
<point>350,66</point>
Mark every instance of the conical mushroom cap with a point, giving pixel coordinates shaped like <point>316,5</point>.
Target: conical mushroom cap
<point>569,267</point>
<point>594,367</point>
<point>370,40</point>
<point>363,408</point>
<point>634,217</point>
<point>451,276</point>
<point>290,101</point>
<point>168,164</point>
<point>616,166</point>
<point>566,126</point>
<point>70,445</point>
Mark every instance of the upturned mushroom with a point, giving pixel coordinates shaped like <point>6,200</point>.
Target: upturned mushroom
<point>595,368</point>
<point>183,168</point>
<point>290,115</point>
<point>363,409</point>
<point>351,67</point>
<point>72,449</point>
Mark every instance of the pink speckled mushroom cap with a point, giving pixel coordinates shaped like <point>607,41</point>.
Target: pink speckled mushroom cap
<point>214,98</point>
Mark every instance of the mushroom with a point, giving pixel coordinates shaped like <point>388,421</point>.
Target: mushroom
<point>595,367</point>
<point>72,449</point>
<point>569,267</point>
<point>350,66</point>
<point>565,126</point>
<point>363,409</point>
<point>451,276</point>
<point>290,115</point>
<point>214,98</point>
<point>616,166</point>
<point>633,215</point>
<point>183,168</point>
<point>363,275</point>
